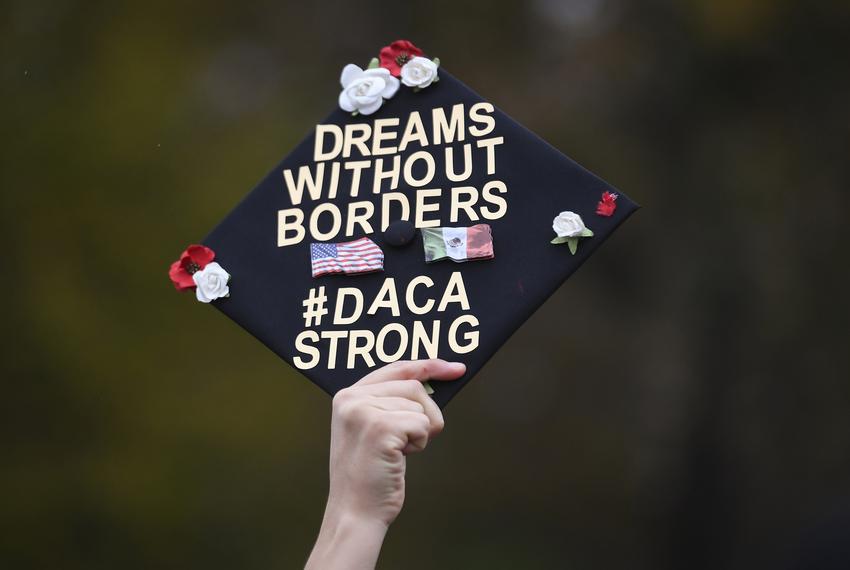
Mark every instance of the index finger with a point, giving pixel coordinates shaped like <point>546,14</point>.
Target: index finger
<point>422,370</point>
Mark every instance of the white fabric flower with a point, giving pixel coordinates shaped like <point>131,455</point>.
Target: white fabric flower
<point>419,72</point>
<point>568,224</point>
<point>364,90</point>
<point>211,282</point>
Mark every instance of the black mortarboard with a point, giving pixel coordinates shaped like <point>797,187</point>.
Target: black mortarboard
<point>429,150</point>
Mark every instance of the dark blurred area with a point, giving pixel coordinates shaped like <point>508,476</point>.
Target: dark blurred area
<point>682,402</point>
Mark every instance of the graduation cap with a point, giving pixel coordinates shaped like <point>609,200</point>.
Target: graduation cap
<point>414,221</point>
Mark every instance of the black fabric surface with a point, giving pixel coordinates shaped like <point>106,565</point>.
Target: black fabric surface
<point>269,283</point>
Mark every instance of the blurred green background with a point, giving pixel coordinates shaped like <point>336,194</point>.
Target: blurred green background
<point>685,399</point>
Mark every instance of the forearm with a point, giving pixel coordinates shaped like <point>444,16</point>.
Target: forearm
<point>347,541</point>
<point>375,423</point>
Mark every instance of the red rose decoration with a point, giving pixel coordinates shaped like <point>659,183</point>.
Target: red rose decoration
<point>195,258</point>
<point>395,55</point>
<point>608,204</point>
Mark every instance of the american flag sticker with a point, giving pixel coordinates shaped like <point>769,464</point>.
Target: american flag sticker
<point>352,257</point>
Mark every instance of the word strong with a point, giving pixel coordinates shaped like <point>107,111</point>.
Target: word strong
<point>424,338</point>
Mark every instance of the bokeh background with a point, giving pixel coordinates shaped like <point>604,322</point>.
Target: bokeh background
<point>682,402</point>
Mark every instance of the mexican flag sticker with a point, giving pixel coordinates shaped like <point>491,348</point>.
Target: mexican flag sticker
<point>458,244</point>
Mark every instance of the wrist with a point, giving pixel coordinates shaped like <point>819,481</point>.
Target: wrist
<point>347,539</point>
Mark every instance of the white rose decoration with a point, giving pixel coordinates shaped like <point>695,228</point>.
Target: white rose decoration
<point>419,72</point>
<point>568,224</point>
<point>364,90</point>
<point>211,282</point>
<point>570,227</point>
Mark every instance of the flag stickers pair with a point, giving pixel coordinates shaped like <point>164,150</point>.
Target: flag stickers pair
<point>364,256</point>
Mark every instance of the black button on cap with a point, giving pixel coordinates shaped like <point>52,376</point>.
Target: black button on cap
<point>399,233</point>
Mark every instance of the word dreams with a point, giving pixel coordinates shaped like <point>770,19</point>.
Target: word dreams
<point>394,341</point>
<point>363,160</point>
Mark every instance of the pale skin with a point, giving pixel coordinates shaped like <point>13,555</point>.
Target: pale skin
<point>375,424</point>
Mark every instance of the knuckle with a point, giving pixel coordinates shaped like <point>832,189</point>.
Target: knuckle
<point>421,424</point>
<point>421,435</point>
<point>344,412</point>
<point>350,411</point>
<point>358,414</point>
<point>399,368</point>
<point>411,368</point>
<point>380,424</point>
<point>439,423</point>
<point>342,397</point>
<point>419,389</point>
<point>414,391</point>
<point>420,369</point>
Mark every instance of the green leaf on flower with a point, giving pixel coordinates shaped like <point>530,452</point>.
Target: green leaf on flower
<point>587,232</point>
<point>355,113</point>
<point>374,63</point>
<point>417,89</point>
<point>428,388</point>
<point>573,243</point>
<point>558,240</point>
<point>436,61</point>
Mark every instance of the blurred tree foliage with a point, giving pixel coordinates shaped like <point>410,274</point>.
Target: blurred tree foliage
<point>683,400</point>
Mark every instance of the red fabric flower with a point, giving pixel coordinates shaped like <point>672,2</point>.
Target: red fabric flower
<point>608,204</point>
<point>397,54</point>
<point>193,259</point>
